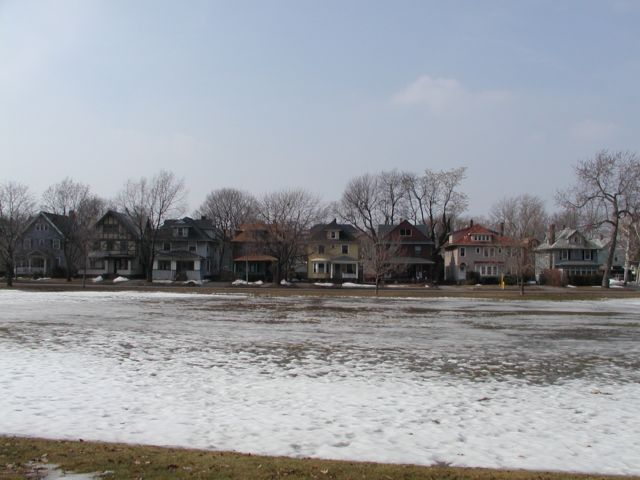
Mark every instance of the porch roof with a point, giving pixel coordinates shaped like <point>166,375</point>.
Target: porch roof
<point>412,261</point>
<point>255,258</point>
<point>344,259</point>
<point>179,255</point>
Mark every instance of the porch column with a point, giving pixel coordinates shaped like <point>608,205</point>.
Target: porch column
<point>331,276</point>
<point>196,265</point>
<point>45,266</point>
<point>357,277</point>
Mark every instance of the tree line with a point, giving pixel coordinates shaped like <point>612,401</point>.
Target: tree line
<point>603,197</point>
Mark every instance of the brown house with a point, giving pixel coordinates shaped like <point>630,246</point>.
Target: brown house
<point>250,260</point>
<point>412,251</point>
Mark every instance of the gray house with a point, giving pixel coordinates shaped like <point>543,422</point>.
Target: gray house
<point>570,251</point>
<point>41,251</point>
<point>186,249</point>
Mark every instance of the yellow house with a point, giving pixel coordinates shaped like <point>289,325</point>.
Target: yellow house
<point>332,252</point>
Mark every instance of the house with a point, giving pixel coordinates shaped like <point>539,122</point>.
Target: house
<point>251,261</point>
<point>186,249</point>
<point>42,248</point>
<point>333,252</point>
<point>116,247</point>
<point>569,251</point>
<point>412,251</point>
<point>476,249</point>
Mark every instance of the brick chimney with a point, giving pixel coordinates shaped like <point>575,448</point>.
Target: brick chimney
<point>552,234</point>
<point>502,229</point>
<point>471,223</point>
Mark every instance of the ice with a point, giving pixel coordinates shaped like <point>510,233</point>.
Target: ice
<point>504,384</point>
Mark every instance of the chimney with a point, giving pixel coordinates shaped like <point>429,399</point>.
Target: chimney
<point>502,229</point>
<point>471,223</point>
<point>552,234</point>
<point>72,214</point>
<point>203,217</point>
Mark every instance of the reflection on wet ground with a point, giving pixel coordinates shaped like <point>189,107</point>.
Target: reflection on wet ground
<point>535,342</point>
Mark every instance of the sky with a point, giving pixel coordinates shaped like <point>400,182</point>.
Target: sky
<point>266,95</point>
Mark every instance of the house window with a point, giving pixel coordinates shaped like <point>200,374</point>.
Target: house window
<point>55,243</point>
<point>320,248</point>
<point>164,264</point>
<point>181,232</point>
<point>478,250</point>
<point>333,234</point>
<point>122,264</point>
<point>417,250</point>
<point>96,263</point>
<point>463,251</point>
<point>564,255</point>
<point>41,242</point>
<point>587,254</point>
<point>124,246</point>
<point>192,248</point>
<point>166,246</point>
<point>109,245</point>
<point>319,267</point>
<point>41,227</point>
<point>350,267</point>
<point>492,252</point>
<point>405,232</point>
<point>486,252</point>
<point>345,249</point>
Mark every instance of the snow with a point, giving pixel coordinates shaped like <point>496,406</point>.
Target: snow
<point>244,282</point>
<point>284,283</point>
<point>323,284</point>
<point>42,278</point>
<point>120,279</point>
<point>473,382</point>
<point>357,285</point>
<point>98,279</point>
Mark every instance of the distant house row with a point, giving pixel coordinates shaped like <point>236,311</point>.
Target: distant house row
<point>191,249</point>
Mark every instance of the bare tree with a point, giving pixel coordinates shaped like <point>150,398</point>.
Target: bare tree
<point>228,208</point>
<point>16,208</point>
<point>288,215</point>
<point>378,258</point>
<point>75,201</point>
<point>434,200</point>
<point>392,195</point>
<point>520,217</point>
<point>148,202</point>
<point>607,188</point>
<point>361,205</point>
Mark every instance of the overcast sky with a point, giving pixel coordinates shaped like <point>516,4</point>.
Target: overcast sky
<point>272,94</point>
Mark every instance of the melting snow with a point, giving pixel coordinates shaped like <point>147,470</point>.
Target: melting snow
<point>506,384</point>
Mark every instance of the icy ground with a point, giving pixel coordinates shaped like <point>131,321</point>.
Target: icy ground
<point>531,385</point>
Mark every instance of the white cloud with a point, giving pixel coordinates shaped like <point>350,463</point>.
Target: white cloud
<point>446,94</point>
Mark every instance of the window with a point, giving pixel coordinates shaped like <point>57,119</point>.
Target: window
<point>478,250</point>
<point>122,264</point>
<point>405,232</point>
<point>492,252</point>
<point>41,242</point>
<point>318,267</point>
<point>350,268</point>
<point>124,245</point>
<point>181,232</point>
<point>55,243</point>
<point>96,263</point>
<point>485,252</point>
<point>41,227</point>
<point>587,254</point>
<point>333,234</point>
<point>192,248</point>
<point>320,248</point>
<point>345,249</point>
<point>109,245</point>
<point>164,264</point>
<point>463,251</point>
<point>417,250</point>
<point>166,246</point>
<point>564,255</point>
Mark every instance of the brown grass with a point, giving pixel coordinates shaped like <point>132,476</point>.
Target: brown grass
<point>119,461</point>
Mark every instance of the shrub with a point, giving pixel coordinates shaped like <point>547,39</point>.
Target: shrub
<point>472,277</point>
<point>585,280</point>
<point>553,277</point>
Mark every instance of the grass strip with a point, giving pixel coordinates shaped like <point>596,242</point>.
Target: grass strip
<point>121,461</point>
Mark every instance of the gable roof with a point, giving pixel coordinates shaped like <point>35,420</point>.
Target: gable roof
<point>386,230</point>
<point>123,220</point>
<point>60,223</point>
<point>317,233</point>
<point>562,241</point>
<point>197,229</point>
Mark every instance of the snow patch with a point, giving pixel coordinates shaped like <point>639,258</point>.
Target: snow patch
<point>120,279</point>
<point>357,285</point>
<point>98,279</point>
<point>323,284</point>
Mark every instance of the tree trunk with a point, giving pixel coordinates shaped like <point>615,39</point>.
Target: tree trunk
<point>612,250</point>
<point>521,284</point>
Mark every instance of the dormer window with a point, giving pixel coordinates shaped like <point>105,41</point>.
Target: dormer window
<point>333,234</point>
<point>481,238</point>
<point>405,232</point>
<point>41,227</point>
<point>181,232</point>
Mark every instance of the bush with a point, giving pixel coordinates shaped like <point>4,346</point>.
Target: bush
<point>472,277</point>
<point>585,280</point>
<point>553,277</point>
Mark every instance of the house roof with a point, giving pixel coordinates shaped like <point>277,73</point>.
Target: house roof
<point>385,230</point>
<point>179,255</point>
<point>465,237</point>
<point>197,229</point>
<point>60,223</point>
<point>343,259</point>
<point>411,261</point>
<point>123,220</point>
<point>317,233</point>
<point>563,242</point>
<point>251,232</point>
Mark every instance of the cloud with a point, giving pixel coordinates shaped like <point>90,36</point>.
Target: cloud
<point>439,95</point>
